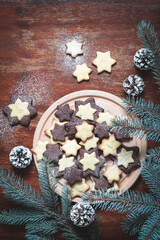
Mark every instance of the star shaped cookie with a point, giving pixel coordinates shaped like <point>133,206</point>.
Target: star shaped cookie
<point>79,188</point>
<point>100,182</point>
<point>73,174</point>
<point>53,153</point>
<point>105,117</point>
<point>70,147</point>
<point>65,162</point>
<point>124,158</point>
<point>112,173</point>
<point>103,61</point>
<point>20,110</point>
<point>90,143</point>
<point>109,146</point>
<point>86,112</point>
<point>58,133</point>
<point>102,130</point>
<point>39,149</point>
<point>84,131</point>
<point>64,113</point>
<point>74,48</point>
<point>89,161</point>
<point>82,72</point>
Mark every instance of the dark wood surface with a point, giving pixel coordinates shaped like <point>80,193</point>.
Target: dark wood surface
<point>33,63</point>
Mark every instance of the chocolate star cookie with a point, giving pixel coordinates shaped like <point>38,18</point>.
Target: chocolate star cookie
<point>102,130</point>
<point>73,174</point>
<point>101,182</point>
<point>64,113</point>
<point>53,153</point>
<point>58,133</point>
<point>70,126</point>
<point>19,111</point>
<point>119,134</point>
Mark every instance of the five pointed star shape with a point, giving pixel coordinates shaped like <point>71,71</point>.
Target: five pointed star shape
<point>65,162</point>
<point>82,72</point>
<point>90,143</point>
<point>84,131</point>
<point>103,61</point>
<point>105,116</point>
<point>86,111</point>
<point>109,146</point>
<point>74,48</point>
<point>79,188</point>
<point>125,157</point>
<point>19,109</point>
<point>49,134</point>
<point>71,147</point>
<point>89,161</point>
<point>39,149</point>
<point>112,173</point>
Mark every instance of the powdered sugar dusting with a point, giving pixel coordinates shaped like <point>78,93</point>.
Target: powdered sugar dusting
<point>6,131</point>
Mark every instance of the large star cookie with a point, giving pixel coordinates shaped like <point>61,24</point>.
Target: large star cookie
<point>79,188</point>
<point>82,72</point>
<point>84,131</point>
<point>109,146</point>
<point>20,110</point>
<point>64,113</point>
<point>103,61</point>
<point>73,174</point>
<point>86,112</point>
<point>71,147</point>
<point>39,149</point>
<point>112,173</point>
<point>74,48</point>
<point>58,133</point>
<point>65,162</point>
<point>102,130</point>
<point>53,153</point>
<point>89,161</point>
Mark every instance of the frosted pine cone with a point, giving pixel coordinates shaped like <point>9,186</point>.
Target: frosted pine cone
<point>82,214</point>
<point>143,59</point>
<point>133,85</point>
<point>20,157</point>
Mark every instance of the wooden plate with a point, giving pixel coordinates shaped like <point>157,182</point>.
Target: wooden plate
<point>108,102</point>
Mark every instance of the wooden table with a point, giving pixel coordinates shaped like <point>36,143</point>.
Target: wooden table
<point>33,63</point>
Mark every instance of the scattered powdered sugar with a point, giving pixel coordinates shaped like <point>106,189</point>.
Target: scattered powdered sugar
<point>6,131</point>
<point>36,85</point>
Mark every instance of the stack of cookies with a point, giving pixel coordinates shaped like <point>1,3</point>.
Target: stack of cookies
<point>82,143</point>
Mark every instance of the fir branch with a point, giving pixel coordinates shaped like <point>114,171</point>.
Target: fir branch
<point>149,39</point>
<point>36,237</point>
<point>153,156</point>
<point>66,201</point>
<point>151,177</point>
<point>141,109</point>
<point>21,216</point>
<point>49,195</point>
<point>151,228</point>
<point>127,202</point>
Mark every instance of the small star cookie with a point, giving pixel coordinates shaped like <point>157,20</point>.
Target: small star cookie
<point>58,133</point>
<point>53,153</point>
<point>109,146</point>
<point>74,48</point>
<point>64,113</point>
<point>102,130</point>
<point>89,161</point>
<point>105,117</point>
<point>82,72</point>
<point>65,162</point>
<point>79,188</point>
<point>86,112</point>
<point>71,147</point>
<point>90,143</point>
<point>112,173</point>
<point>124,158</point>
<point>39,149</point>
<point>19,111</point>
<point>73,174</point>
<point>84,131</point>
<point>103,61</point>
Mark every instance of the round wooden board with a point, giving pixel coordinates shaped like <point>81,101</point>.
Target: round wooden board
<point>108,102</point>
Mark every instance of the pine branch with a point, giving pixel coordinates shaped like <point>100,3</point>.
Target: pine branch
<point>153,156</point>
<point>66,201</point>
<point>137,128</point>
<point>141,109</point>
<point>36,237</point>
<point>127,202</point>
<point>21,216</point>
<point>151,228</point>
<point>149,39</point>
<point>49,195</point>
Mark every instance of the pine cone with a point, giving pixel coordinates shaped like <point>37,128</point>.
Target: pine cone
<point>143,59</point>
<point>20,157</point>
<point>133,85</point>
<point>82,214</point>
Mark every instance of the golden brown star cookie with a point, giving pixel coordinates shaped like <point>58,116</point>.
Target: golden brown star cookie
<point>74,48</point>
<point>112,173</point>
<point>71,147</point>
<point>84,131</point>
<point>79,188</point>
<point>109,146</point>
<point>82,72</point>
<point>103,61</point>
<point>39,149</point>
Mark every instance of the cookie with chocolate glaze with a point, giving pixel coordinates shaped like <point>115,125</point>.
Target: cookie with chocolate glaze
<point>120,135</point>
<point>20,110</point>
<point>101,182</point>
<point>59,132</point>
<point>53,153</point>
<point>73,174</point>
<point>102,130</point>
<point>64,113</point>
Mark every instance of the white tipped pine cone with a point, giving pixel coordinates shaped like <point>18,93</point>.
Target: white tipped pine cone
<point>82,214</point>
<point>133,85</point>
<point>143,59</point>
<point>20,157</point>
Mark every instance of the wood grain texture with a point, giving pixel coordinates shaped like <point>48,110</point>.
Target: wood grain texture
<point>33,63</point>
